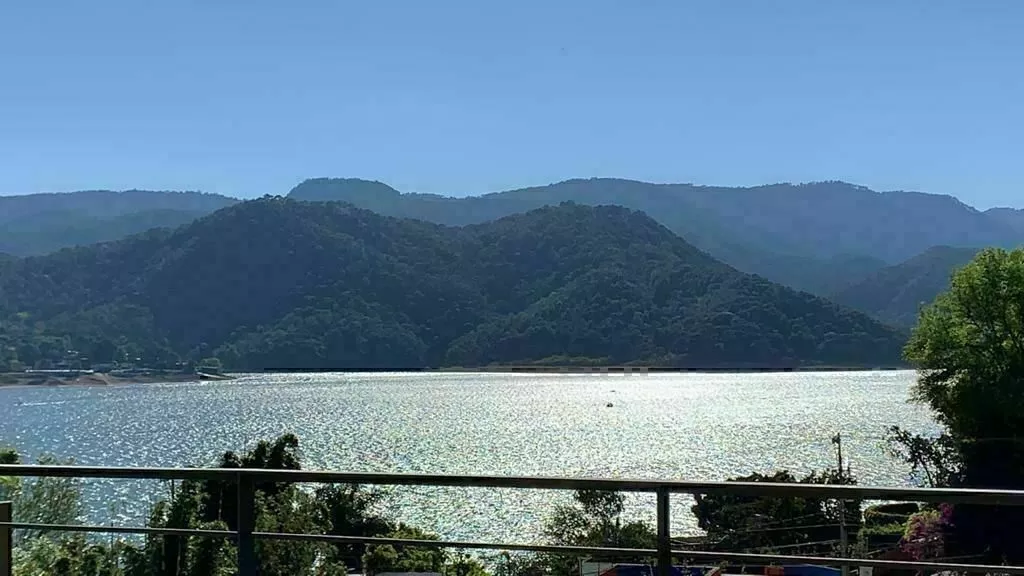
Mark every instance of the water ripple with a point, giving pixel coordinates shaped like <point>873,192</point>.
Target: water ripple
<point>679,426</point>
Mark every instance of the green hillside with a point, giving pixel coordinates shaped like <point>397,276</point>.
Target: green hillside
<point>895,294</point>
<point>275,283</point>
<point>818,237</point>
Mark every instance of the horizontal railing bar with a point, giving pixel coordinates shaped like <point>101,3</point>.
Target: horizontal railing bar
<point>762,489</point>
<point>597,551</point>
<point>853,562</point>
<point>119,529</point>
<point>568,550</point>
<point>579,550</point>
<point>571,550</point>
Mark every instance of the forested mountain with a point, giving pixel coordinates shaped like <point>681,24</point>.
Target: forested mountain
<point>663,202</point>
<point>821,237</point>
<point>826,219</point>
<point>42,223</point>
<point>895,294</point>
<point>817,237</point>
<point>275,283</point>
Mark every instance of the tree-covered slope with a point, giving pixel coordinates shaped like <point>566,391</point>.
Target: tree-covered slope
<point>896,294</point>
<point>42,223</point>
<point>275,283</point>
<point>816,237</point>
<point>612,284</point>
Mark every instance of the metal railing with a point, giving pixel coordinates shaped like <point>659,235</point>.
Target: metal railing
<point>246,534</point>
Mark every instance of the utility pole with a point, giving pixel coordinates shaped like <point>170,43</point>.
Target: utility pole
<point>843,543</point>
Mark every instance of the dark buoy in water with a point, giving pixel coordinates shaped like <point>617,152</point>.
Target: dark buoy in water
<point>609,405</point>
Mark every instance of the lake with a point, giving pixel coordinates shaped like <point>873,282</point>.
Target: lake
<point>680,426</point>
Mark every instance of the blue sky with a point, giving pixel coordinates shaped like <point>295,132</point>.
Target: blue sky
<point>248,97</point>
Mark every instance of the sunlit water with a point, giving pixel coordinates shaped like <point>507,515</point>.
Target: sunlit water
<point>678,426</point>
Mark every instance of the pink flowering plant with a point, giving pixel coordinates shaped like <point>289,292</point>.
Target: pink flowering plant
<point>924,537</point>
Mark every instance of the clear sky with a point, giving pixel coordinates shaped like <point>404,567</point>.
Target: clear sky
<point>248,97</point>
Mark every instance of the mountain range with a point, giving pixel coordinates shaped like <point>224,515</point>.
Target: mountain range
<point>832,239</point>
<point>822,220</point>
<point>41,223</point>
<point>278,283</point>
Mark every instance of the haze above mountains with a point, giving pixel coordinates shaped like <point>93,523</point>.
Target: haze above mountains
<point>884,254</point>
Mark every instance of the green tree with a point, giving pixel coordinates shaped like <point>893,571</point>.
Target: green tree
<point>9,484</point>
<point>594,518</point>
<point>345,510</point>
<point>70,555</point>
<point>934,461</point>
<point>40,500</point>
<point>280,507</point>
<point>289,510</point>
<point>389,558</point>
<point>736,522</point>
<point>463,565</point>
<point>520,564</point>
<point>54,501</point>
<point>348,510</point>
<point>968,347</point>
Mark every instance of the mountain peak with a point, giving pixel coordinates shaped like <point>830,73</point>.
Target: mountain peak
<point>341,190</point>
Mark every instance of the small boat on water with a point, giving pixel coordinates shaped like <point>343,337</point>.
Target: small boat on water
<point>208,376</point>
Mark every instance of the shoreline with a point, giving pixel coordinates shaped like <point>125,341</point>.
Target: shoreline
<point>663,369</point>
<point>9,379</point>
<point>578,369</point>
<point>95,379</point>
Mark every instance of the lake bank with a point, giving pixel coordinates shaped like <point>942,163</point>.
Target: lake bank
<point>594,369</point>
<point>662,369</point>
<point>96,379</point>
<point>104,378</point>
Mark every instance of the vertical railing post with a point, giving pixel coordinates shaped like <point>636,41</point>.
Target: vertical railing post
<point>6,540</point>
<point>664,534</point>
<point>170,555</point>
<point>246,526</point>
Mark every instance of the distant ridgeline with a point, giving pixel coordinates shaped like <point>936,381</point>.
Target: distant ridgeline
<point>42,223</point>
<point>277,283</point>
<point>819,237</point>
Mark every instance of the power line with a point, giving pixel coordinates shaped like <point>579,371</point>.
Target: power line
<point>784,528</point>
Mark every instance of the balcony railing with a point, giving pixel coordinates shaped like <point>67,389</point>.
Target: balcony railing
<point>246,534</point>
